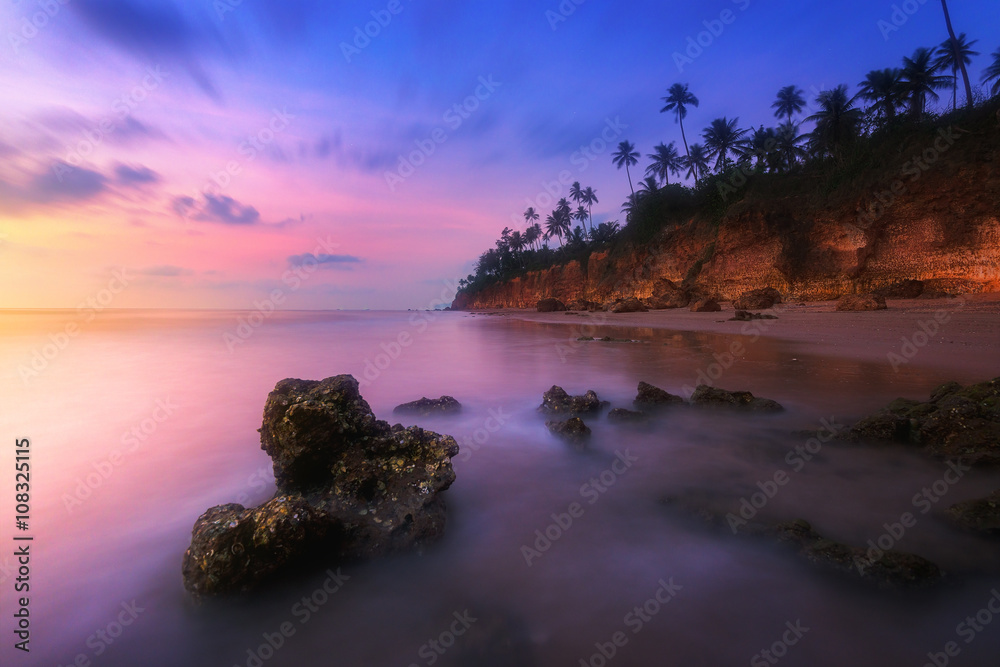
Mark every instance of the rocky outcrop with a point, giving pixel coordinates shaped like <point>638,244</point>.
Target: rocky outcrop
<point>959,423</point>
<point>550,306</point>
<point>649,397</point>
<point>705,306</point>
<point>979,516</point>
<point>425,407</point>
<point>348,487</point>
<point>705,395</point>
<point>904,289</point>
<point>758,299</point>
<point>557,402</point>
<point>667,295</point>
<point>861,303</point>
<point>629,305</point>
<point>572,429</point>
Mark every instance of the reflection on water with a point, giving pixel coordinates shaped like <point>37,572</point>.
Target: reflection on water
<point>143,420</point>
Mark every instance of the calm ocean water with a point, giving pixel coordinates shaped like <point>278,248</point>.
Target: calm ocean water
<point>139,421</point>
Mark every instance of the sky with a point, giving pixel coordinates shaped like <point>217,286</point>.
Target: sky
<point>319,155</point>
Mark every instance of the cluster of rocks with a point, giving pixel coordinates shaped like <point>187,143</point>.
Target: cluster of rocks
<point>649,399</point>
<point>349,487</point>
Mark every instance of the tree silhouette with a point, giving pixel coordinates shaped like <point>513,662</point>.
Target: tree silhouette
<point>921,80</point>
<point>677,100</point>
<point>790,144</point>
<point>884,88</point>
<point>992,73</point>
<point>697,162</point>
<point>836,121</point>
<point>790,101</point>
<point>721,138</point>
<point>957,54</point>
<point>666,160</point>
<point>953,55</point>
<point>626,156</point>
<point>590,198</point>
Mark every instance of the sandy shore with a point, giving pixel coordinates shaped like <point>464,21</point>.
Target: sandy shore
<point>958,333</point>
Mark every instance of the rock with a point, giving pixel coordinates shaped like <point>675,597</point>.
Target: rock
<point>571,429</point>
<point>758,299</point>
<point>959,423</point>
<point>705,306</point>
<point>557,401</point>
<point>649,396</point>
<point>903,289</point>
<point>713,396</point>
<point>861,303</point>
<point>623,415</point>
<point>890,570</point>
<point>629,305</point>
<point>550,306</point>
<point>585,305</point>
<point>979,516</point>
<point>746,316</point>
<point>348,487</point>
<point>667,295</point>
<point>430,406</point>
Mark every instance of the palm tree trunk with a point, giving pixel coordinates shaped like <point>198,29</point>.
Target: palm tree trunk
<point>629,180</point>
<point>958,56</point>
<point>680,120</point>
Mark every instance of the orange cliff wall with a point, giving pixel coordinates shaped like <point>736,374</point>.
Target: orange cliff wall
<point>944,230</point>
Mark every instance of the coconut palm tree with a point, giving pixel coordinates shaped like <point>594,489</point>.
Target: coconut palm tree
<point>790,101</point>
<point>531,216</point>
<point>590,198</point>
<point>762,146</point>
<point>677,100</point>
<point>721,138</point>
<point>536,231</point>
<point>696,163</point>
<point>992,73</point>
<point>665,159</point>
<point>531,235</point>
<point>626,156</point>
<point>953,55</point>
<point>580,215</point>
<point>836,121</point>
<point>885,90</point>
<point>958,56</point>
<point>790,144</point>
<point>648,186</point>
<point>921,80</point>
<point>629,206</point>
<point>554,226</point>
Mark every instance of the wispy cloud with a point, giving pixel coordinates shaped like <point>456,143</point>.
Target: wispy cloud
<point>223,209</point>
<point>324,261</point>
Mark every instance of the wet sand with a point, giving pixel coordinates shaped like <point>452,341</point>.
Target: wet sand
<point>962,334</point>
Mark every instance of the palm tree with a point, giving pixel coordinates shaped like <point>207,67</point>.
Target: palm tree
<point>580,215</point>
<point>536,231</point>
<point>763,145</point>
<point>590,198</point>
<point>885,90</point>
<point>629,206</point>
<point>958,56</point>
<point>648,186</point>
<point>953,55</point>
<point>790,101</point>
<point>721,138</point>
<point>605,232</point>
<point>992,73</point>
<point>554,226</point>
<point>665,159</point>
<point>697,162</point>
<point>837,121</point>
<point>531,215</point>
<point>677,100</point>
<point>626,156</point>
<point>921,80</point>
<point>531,235</point>
<point>790,144</point>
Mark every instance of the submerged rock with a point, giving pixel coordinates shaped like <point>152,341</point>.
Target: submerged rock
<point>713,396</point>
<point>557,401</point>
<point>623,415</point>
<point>649,396</point>
<point>429,406</point>
<point>758,299</point>
<point>571,429</point>
<point>861,302</point>
<point>348,487</point>
<point>746,316</point>
<point>705,306</point>
<point>979,516</point>
<point>956,423</point>
<point>550,306</point>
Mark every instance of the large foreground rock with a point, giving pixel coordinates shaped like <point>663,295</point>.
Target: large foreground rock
<point>705,306</point>
<point>572,429</point>
<point>349,487</point>
<point>648,396</point>
<point>979,516</point>
<point>629,305</point>
<point>667,295</point>
<point>550,306</point>
<point>956,423</point>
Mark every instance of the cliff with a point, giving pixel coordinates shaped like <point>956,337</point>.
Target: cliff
<point>925,208</point>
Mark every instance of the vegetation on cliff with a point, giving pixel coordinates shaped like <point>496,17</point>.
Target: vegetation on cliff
<point>860,148</point>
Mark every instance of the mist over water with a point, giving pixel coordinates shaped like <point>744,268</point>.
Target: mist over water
<point>146,419</point>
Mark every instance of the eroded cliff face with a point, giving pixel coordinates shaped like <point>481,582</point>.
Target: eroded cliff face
<point>943,229</point>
